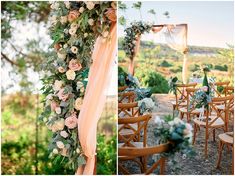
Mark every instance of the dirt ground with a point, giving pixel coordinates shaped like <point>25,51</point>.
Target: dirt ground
<point>197,165</point>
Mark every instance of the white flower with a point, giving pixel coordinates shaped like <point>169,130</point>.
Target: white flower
<point>148,103</point>
<point>79,85</point>
<point>81,9</point>
<point>64,134</point>
<point>78,104</point>
<point>57,85</point>
<point>55,151</point>
<point>65,46</point>
<point>55,6</point>
<point>158,120</point>
<point>67,4</point>
<point>91,22</point>
<point>105,34</point>
<point>74,49</point>
<point>72,31</point>
<point>58,110</point>
<point>61,69</point>
<point>60,144</point>
<point>70,75</point>
<point>53,20</point>
<point>63,19</point>
<point>61,55</point>
<point>78,150</point>
<point>90,5</point>
<point>85,35</point>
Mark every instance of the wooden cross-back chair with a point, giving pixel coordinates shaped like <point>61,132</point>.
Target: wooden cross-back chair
<point>180,96</point>
<point>216,84</point>
<point>126,110</point>
<point>210,121</point>
<point>130,140</point>
<point>126,97</point>
<point>226,139</point>
<point>190,110</point>
<point>129,153</point>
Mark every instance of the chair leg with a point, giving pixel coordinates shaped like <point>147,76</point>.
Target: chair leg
<point>206,144</point>
<point>221,145</point>
<point>214,135</point>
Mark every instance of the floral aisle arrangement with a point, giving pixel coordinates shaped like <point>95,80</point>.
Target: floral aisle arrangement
<point>146,105</point>
<point>179,135</point>
<point>201,98</point>
<point>132,34</point>
<point>74,27</point>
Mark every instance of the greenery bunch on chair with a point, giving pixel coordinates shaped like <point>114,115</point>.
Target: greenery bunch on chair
<point>178,133</point>
<point>74,29</point>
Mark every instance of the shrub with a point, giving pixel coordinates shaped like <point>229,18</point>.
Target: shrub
<point>155,81</point>
<point>176,70</point>
<point>165,64</point>
<point>194,67</point>
<point>221,68</point>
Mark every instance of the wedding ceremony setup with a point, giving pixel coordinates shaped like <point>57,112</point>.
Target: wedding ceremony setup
<point>117,87</point>
<point>159,132</point>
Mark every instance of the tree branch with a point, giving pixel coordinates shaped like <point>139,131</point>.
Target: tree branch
<point>8,60</point>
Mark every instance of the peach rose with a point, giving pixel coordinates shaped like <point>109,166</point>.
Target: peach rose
<point>62,96</point>
<point>61,69</point>
<point>73,15</point>
<point>71,121</point>
<point>111,14</point>
<point>78,104</point>
<point>57,46</point>
<point>75,65</point>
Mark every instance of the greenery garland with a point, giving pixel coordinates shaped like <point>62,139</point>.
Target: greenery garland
<point>74,28</point>
<point>132,33</point>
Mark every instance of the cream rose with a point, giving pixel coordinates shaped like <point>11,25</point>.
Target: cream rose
<point>58,125</point>
<point>70,75</point>
<point>72,31</point>
<point>67,4</point>
<point>60,144</point>
<point>91,22</point>
<point>78,104</point>
<point>63,19</point>
<point>58,110</point>
<point>57,85</point>
<point>78,150</point>
<point>75,65</point>
<point>55,151</point>
<point>85,35</point>
<point>81,9</point>
<point>90,5</point>
<point>61,55</point>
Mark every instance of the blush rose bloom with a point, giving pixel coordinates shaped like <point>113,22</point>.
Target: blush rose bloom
<point>111,14</point>
<point>73,15</point>
<point>64,134</point>
<point>58,125</point>
<point>70,75</point>
<point>75,65</point>
<point>78,104</point>
<point>54,105</point>
<point>71,121</point>
<point>60,144</point>
<point>62,96</point>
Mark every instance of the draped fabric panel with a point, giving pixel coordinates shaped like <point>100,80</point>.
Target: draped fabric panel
<point>94,100</point>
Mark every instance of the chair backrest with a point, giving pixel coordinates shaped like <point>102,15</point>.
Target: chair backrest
<point>181,95</point>
<point>228,90</point>
<point>128,109</point>
<point>190,93</point>
<point>120,89</point>
<point>227,102</point>
<point>126,97</point>
<point>146,151</point>
<point>126,123</point>
<point>221,84</point>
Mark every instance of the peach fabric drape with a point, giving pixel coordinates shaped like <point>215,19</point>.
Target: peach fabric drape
<point>94,100</point>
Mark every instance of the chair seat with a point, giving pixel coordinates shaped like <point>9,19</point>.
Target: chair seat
<point>173,102</point>
<point>226,137</point>
<point>136,144</point>
<point>126,131</point>
<point>220,107</point>
<point>217,123</point>
<point>195,111</point>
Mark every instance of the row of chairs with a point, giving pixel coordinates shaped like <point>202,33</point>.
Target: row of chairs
<point>220,109</point>
<point>132,136</point>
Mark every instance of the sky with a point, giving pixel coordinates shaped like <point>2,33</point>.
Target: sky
<point>210,23</point>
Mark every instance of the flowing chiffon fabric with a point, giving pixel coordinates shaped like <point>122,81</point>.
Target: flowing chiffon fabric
<point>94,100</point>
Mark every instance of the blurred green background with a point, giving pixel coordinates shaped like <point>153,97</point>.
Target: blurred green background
<point>25,45</point>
